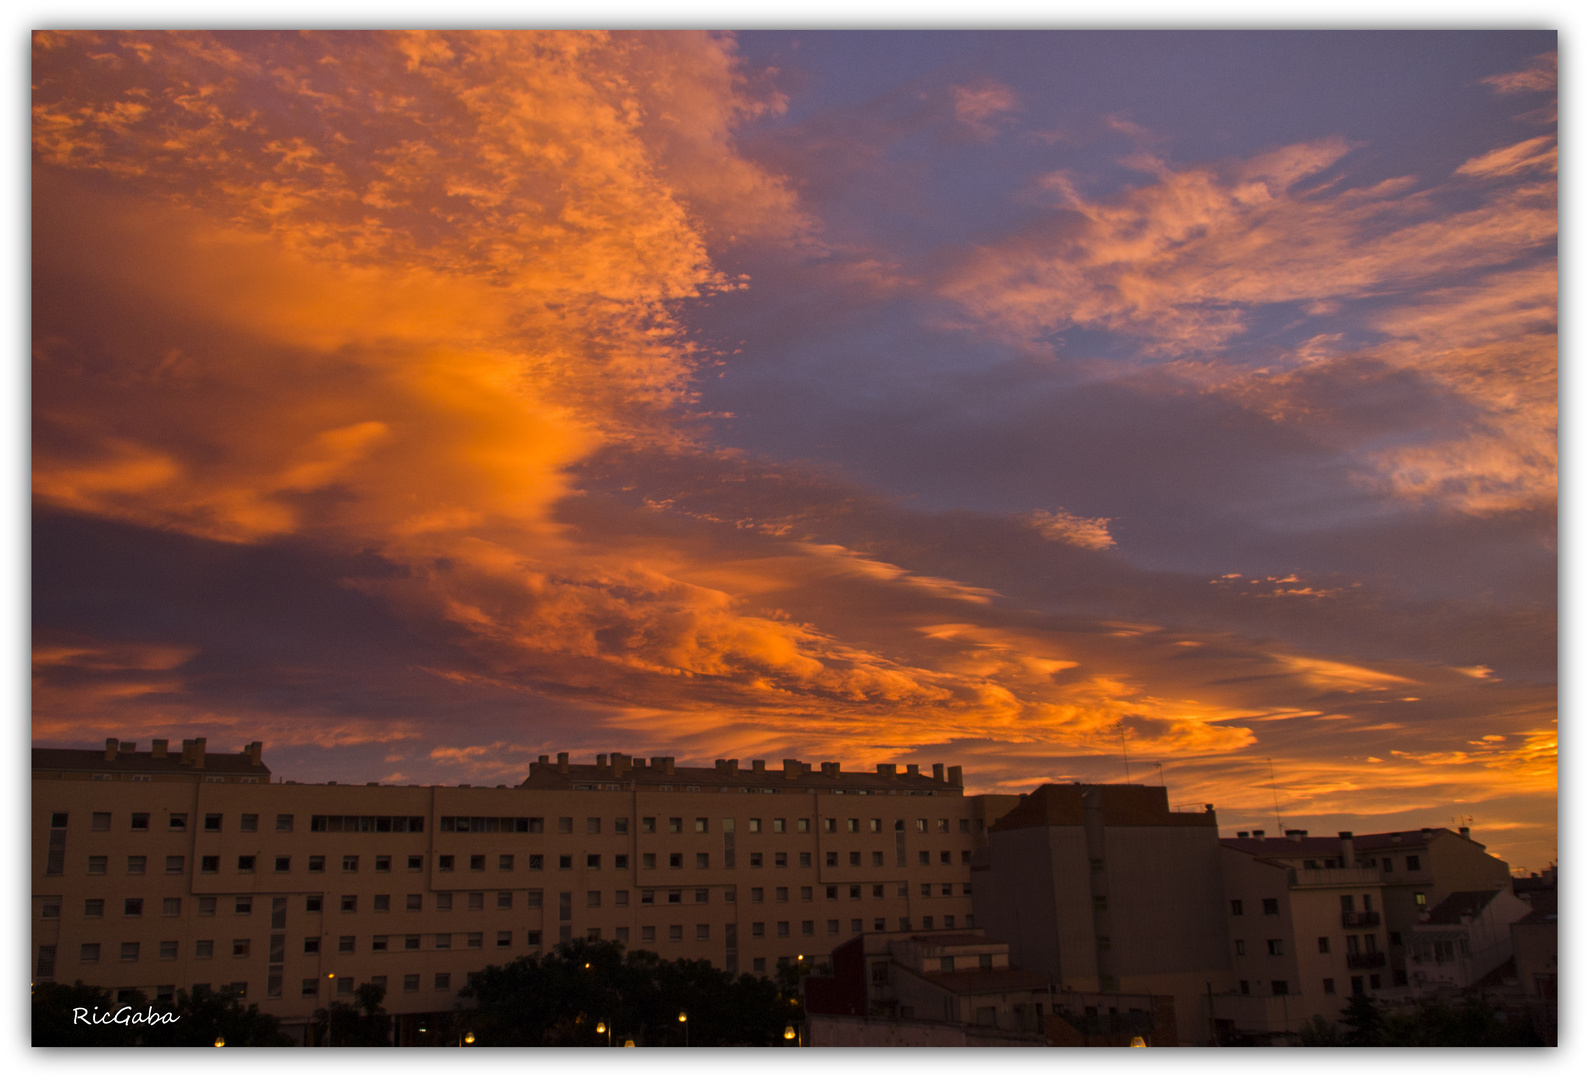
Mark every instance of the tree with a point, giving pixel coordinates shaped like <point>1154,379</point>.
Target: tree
<point>361,1024</point>
<point>1364,1021</point>
<point>560,998</point>
<point>205,1015</point>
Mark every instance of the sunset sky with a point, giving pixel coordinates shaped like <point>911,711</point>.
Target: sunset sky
<point>421,403</point>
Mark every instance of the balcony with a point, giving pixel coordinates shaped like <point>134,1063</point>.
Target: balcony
<point>1334,878</point>
<point>1351,919</point>
<point>1362,960</point>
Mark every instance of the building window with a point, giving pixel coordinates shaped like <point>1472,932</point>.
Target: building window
<point>444,863</point>
<point>313,903</point>
<point>350,903</point>
<point>1277,947</point>
<point>1329,986</point>
<point>243,905</point>
<point>1413,863</point>
<point>345,944</point>
<point>758,930</point>
<point>648,933</point>
<point>378,943</point>
<point>1235,907</point>
<point>168,950</point>
<point>283,864</point>
<point>620,862</point>
<point>477,863</point>
<point>443,980</point>
<point>783,929</point>
<point>88,953</point>
<point>1324,944</point>
<point>1280,986</point>
<point>383,864</point>
<point>830,824</point>
<point>1271,907</point>
<point>350,864</point>
<point>171,905</point>
<point>1241,947</point>
<point>383,902</point>
<point>676,861</point>
<point>177,822</point>
<point>443,941</point>
<point>1420,899</point>
<point>780,859</point>
<point>284,823</point>
<point>209,864</point>
<point>475,940</point>
<point>1244,987</point>
<point>207,905</point>
<point>317,864</point>
<point>411,942</point>
<point>245,864</point>
<point>240,948</point>
<point>477,901</point>
<point>212,822</point>
<point>924,857</point>
<point>132,908</point>
<point>249,823</point>
<point>676,932</point>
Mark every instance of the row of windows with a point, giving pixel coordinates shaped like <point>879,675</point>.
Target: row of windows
<point>213,822</point>
<point>1282,987</point>
<point>133,907</point>
<point>1271,906</point>
<point>1355,945</point>
<point>249,864</point>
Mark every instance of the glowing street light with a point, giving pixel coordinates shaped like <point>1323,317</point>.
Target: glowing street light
<point>468,1038</point>
<point>1137,1040</point>
<point>685,1020</point>
<point>603,1029</point>
<point>220,1040</point>
<point>789,1033</point>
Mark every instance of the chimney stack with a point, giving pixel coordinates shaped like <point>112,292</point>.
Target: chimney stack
<point>157,748</point>
<point>562,762</point>
<point>912,770</point>
<point>255,751</point>
<point>620,764</point>
<point>731,766</point>
<point>1428,835</point>
<point>198,753</point>
<point>1463,832</point>
<point>885,770</point>
<point>937,772</point>
<point>954,776</point>
<point>1242,835</point>
<point>1257,834</point>
<point>111,746</point>
<point>663,763</point>
<point>792,767</point>
<point>187,751</point>
<point>830,769</point>
<point>601,761</point>
<point>758,767</point>
<point>1348,851</point>
<point>1296,834</point>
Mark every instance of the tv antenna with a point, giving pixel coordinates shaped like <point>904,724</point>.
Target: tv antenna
<point>1124,756</point>
<point>1280,826</point>
<point>1160,766</point>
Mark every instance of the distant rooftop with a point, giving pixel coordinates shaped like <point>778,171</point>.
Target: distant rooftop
<point>620,771</point>
<point>125,759</point>
<point>1297,842</point>
<point>1121,804</point>
<point>1460,905</point>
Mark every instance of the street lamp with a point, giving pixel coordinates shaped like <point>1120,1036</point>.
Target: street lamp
<point>1137,1040</point>
<point>603,1029</point>
<point>220,1040</point>
<point>685,1020</point>
<point>331,986</point>
<point>789,1032</point>
<point>468,1038</point>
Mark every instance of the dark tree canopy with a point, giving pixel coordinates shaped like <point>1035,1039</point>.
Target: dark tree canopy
<point>559,999</point>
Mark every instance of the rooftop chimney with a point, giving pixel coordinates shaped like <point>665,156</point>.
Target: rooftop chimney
<point>830,769</point>
<point>255,751</point>
<point>665,764</point>
<point>1242,835</point>
<point>562,762</point>
<point>758,766</point>
<point>158,748</point>
<point>1296,834</point>
<point>954,776</point>
<point>187,751</point>
<point>543,760</point>
<point>912,770</point>
<point>1428,835</point>
<point>1348,851</point>
<point>885,770</point>
<point>1463,832</point>
<point>731,766</point>
<point>620,764</point>
<point>792,767</point>
<point>198,753</point>
<point>1257,834</point>
<point>111,746</point>
<point>601,761</point>
<point>937,772</point>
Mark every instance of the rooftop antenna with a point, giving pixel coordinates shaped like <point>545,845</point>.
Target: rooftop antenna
<point>1159,766</point>
<point>1280,826</point>
<point>1123,754</point>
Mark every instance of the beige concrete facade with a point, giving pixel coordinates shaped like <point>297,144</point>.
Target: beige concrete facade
<point>153,872</point>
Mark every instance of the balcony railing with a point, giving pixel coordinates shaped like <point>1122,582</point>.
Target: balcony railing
<point>1350,919</point>
<point>1359,961</point>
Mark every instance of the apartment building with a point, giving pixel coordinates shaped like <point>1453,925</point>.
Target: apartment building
<point>1103,889</point>
<point>1463,939</point>
<point>154,869</point>
<point>1306,929</point>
